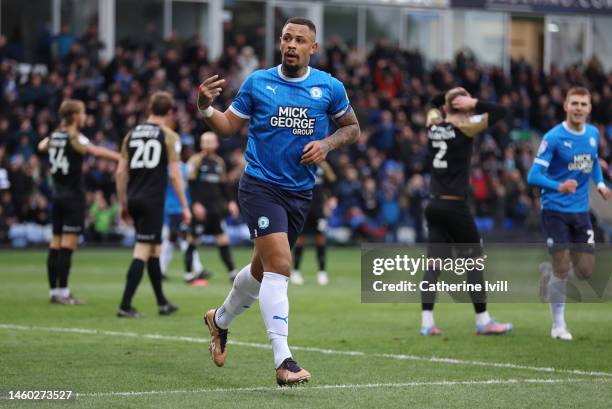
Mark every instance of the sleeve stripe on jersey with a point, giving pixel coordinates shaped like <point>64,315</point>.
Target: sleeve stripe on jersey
<point>238,113</point>
<point>541,162</point>
<point>342,112</point>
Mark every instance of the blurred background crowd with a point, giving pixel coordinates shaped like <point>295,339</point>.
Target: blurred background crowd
<point>382,184</point>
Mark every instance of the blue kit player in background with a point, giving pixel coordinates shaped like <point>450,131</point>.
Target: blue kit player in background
<point>288,108</point>
<point>174,232</point>
<point>565,163</point>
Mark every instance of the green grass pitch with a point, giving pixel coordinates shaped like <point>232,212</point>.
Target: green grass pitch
<point>360,355</point>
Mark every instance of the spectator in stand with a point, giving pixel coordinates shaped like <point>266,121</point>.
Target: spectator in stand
<point>102,218</point>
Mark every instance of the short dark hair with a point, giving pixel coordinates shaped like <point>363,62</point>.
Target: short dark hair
<point>303,22</point>
<point>161,103</point>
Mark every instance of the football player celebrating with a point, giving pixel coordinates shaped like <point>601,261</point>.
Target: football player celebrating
<point>288,109</point>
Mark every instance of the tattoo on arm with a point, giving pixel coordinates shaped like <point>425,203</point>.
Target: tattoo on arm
<point>346,134</point>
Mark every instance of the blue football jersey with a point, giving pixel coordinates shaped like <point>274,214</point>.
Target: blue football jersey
<point>568,155</point>
<point>285,114</point>
<point>172,205</point>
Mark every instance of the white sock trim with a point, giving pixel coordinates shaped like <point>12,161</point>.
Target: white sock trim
<point>276,277</point>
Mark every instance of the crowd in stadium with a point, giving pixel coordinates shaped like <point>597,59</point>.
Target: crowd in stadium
<point>382,180</point>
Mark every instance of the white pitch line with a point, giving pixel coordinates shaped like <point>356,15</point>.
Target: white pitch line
<point>450,361</point>
<point>341,386</point>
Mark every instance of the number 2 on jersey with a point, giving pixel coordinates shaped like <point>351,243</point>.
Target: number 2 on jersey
<point>147,153</point>
<point>442,147</point>
<point>58,161</point>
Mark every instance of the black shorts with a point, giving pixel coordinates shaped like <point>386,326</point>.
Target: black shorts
<point>210,225</point>
<point>148,217</point>
<point>68,213</point>
<point>568,230</point>
<point>451,222</point>
<point>316,223</point>
<point>269,209</point>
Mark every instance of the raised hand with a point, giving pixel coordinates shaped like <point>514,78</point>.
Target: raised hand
<point>464,103</point>
<point>209,90</point>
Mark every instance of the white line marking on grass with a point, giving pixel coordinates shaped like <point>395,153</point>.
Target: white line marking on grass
<point>433,359</point>
<point>341,386</point>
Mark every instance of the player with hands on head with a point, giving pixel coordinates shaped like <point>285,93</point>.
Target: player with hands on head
<point>452,125</point>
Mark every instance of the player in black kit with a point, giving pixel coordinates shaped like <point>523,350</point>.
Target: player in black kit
<point>316,224</point>
<point>448,216</point>
<point>211,200</point>
<point>67,148</point>
<point>149,157</point>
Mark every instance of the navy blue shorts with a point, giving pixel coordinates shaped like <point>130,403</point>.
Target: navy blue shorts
<point>269,209</point>
<point>568,231</point>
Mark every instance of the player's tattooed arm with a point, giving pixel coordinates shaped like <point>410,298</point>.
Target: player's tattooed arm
<point>346,134</point>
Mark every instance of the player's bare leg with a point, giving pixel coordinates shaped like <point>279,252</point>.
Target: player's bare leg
<point>583,264</point>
